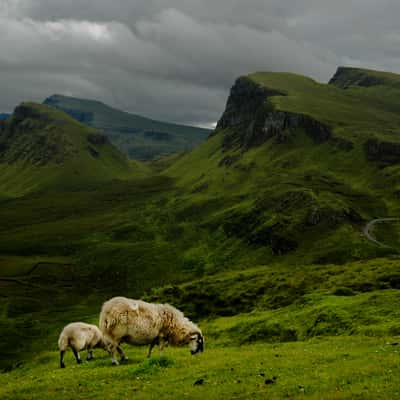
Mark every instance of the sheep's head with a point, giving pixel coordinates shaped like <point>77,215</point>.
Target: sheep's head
<point>107,345</point>
<point>196,343</point>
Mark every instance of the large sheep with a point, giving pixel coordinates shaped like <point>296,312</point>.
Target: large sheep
<point>79,336</point>
<point>136,322</point>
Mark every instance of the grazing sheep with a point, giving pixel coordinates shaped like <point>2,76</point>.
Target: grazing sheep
<point>79,336</point>
<point>136,322</point>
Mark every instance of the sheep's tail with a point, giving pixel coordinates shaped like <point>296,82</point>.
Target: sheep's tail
<point>63,342</point>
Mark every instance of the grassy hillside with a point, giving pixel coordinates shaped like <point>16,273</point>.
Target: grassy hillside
<point>41,147</point>
<point>334,368</point>
<point>256,235</point>
<point>310,332</point>
<point>296,166</point>
<point>141,138</point>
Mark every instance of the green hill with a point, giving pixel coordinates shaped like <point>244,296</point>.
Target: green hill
<point>294,165</point>
<point>43,148</point>
<point>256,234</point>
<point>141,138</point>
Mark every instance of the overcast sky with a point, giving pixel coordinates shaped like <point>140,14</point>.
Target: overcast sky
<point>176,60</point>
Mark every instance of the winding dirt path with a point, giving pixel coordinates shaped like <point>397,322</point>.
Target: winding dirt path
<point>369,226</point>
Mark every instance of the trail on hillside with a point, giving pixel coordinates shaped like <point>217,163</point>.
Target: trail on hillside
<point>369,226</point>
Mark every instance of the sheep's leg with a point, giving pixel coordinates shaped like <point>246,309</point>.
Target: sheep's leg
<point>62,353</point>
<point>123,356</point>
<point>77,356</point>
<point>152,344</point>
<point>112,347</point>
<point>89,355</point>
<point>113,350</point>
<point>161,345</point>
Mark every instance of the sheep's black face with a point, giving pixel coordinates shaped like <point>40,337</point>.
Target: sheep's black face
<point>196,344</point>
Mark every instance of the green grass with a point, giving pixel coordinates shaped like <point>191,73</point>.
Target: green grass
<point>301,195</point>
<point>45,148</point>
<point>262,246</point>
<point>332,368</point>
<point>271,287</point>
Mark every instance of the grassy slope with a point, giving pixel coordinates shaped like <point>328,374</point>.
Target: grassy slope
<point>345,347</point>
<point>78,166</point>
<point>336,368</point>
<point>129,132</point>
<point>285,182</point>
<point>330,323</point>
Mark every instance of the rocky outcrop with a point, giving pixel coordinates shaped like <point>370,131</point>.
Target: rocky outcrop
<point>244,103</point>
<point>250,119</point>
<point>29,135</point>
<point>386,153</point>
<point>24,111</point>
<point>346,76</point>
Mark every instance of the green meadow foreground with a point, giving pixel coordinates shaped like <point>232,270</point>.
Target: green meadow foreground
<point>329,368</point>
<point>256,235</point>
<point>340,341</point>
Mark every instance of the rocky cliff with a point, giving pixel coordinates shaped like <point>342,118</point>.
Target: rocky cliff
<point>250,119</point>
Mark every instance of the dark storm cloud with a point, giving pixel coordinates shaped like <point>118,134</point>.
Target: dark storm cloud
<point>176,60</point>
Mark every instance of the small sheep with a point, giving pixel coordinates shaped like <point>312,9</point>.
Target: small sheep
<point>79,336</point>
<point>136,322</point>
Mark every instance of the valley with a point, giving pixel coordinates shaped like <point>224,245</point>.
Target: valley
<point>256,234</point>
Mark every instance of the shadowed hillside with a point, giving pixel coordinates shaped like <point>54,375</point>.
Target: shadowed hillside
<point>141,138</point>
<point>307,164</point>
<point>42,148</point>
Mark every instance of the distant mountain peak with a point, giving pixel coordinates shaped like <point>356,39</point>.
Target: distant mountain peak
<point>46,147</point>
<point>137,136</point>
<point>345,77</point>
<point>41,135</point>
<point>59,98</point>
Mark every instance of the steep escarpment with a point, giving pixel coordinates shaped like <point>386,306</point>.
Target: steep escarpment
<point>29,136</point>
<point>40,137</point>
<point>346,77</point>
<point>251,119</point>
<point>293,166</point>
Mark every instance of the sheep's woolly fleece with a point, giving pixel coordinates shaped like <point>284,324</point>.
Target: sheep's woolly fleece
<point>145,321</point>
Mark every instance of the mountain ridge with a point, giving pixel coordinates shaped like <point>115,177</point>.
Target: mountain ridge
<point>41,147</point>
<point>139,137</point>
<point>256,234</point>
<point>306,161</point>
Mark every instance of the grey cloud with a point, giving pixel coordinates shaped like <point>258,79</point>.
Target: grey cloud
<point>177,61</point>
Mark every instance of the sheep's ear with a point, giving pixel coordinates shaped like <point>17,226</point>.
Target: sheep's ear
<point>193,336</point>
